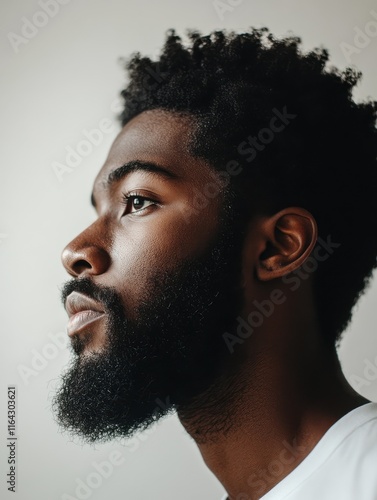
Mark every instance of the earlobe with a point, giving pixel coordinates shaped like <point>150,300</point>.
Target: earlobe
<point>289,238</point>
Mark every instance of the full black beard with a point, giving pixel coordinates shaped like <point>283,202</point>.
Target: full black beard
<point>164,359</point>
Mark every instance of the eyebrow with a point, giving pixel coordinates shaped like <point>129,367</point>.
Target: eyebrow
<point>132,166</point>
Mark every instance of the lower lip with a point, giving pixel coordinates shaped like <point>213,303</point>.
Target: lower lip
<point>81,320</point>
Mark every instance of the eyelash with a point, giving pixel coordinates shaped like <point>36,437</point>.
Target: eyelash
<point>126,197</point>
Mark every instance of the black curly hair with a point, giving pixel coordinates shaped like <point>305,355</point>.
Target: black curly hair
<point>324,160</point>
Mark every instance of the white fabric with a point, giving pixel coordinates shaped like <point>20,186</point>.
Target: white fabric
<point>343,464</point>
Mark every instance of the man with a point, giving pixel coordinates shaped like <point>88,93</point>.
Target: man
<point>235,233</point>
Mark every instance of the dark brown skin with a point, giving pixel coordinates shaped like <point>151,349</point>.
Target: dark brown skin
<point>295,388</point>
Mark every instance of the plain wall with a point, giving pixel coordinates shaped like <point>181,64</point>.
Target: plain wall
<point>65,80</point>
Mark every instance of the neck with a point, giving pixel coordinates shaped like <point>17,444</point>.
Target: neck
<point>262,419</point>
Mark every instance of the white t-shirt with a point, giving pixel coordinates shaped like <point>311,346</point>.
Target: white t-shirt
<point>342,465</point>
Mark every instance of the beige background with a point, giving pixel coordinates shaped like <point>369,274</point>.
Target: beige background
<point>65,79</point>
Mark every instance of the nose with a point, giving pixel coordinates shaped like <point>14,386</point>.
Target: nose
<point>81,257</point>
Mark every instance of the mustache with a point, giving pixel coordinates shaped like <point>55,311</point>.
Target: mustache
<point>107,296</point>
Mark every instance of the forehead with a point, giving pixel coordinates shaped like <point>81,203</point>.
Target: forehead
<point>159,136</point>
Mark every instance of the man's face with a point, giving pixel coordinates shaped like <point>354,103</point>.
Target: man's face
<point>157,281</point>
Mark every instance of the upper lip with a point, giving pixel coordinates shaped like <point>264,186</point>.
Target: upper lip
<point>77,302</point>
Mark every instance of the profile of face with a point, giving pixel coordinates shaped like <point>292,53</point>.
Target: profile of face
<point>156,283</point>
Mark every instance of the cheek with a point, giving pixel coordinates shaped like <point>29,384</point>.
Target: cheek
<point>159,241</point>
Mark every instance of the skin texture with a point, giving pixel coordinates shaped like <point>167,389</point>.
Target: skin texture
<point>281,385</point>
<point>103,243</point>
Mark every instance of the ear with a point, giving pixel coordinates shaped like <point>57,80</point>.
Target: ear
<point>287,240</point>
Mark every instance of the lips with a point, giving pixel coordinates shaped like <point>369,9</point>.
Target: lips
<point>82,311</point>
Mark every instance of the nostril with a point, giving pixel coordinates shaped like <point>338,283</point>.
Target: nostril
<point>81,265</point>
<point>89,259</point>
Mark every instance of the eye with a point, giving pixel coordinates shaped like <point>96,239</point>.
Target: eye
<point>137,202</point>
